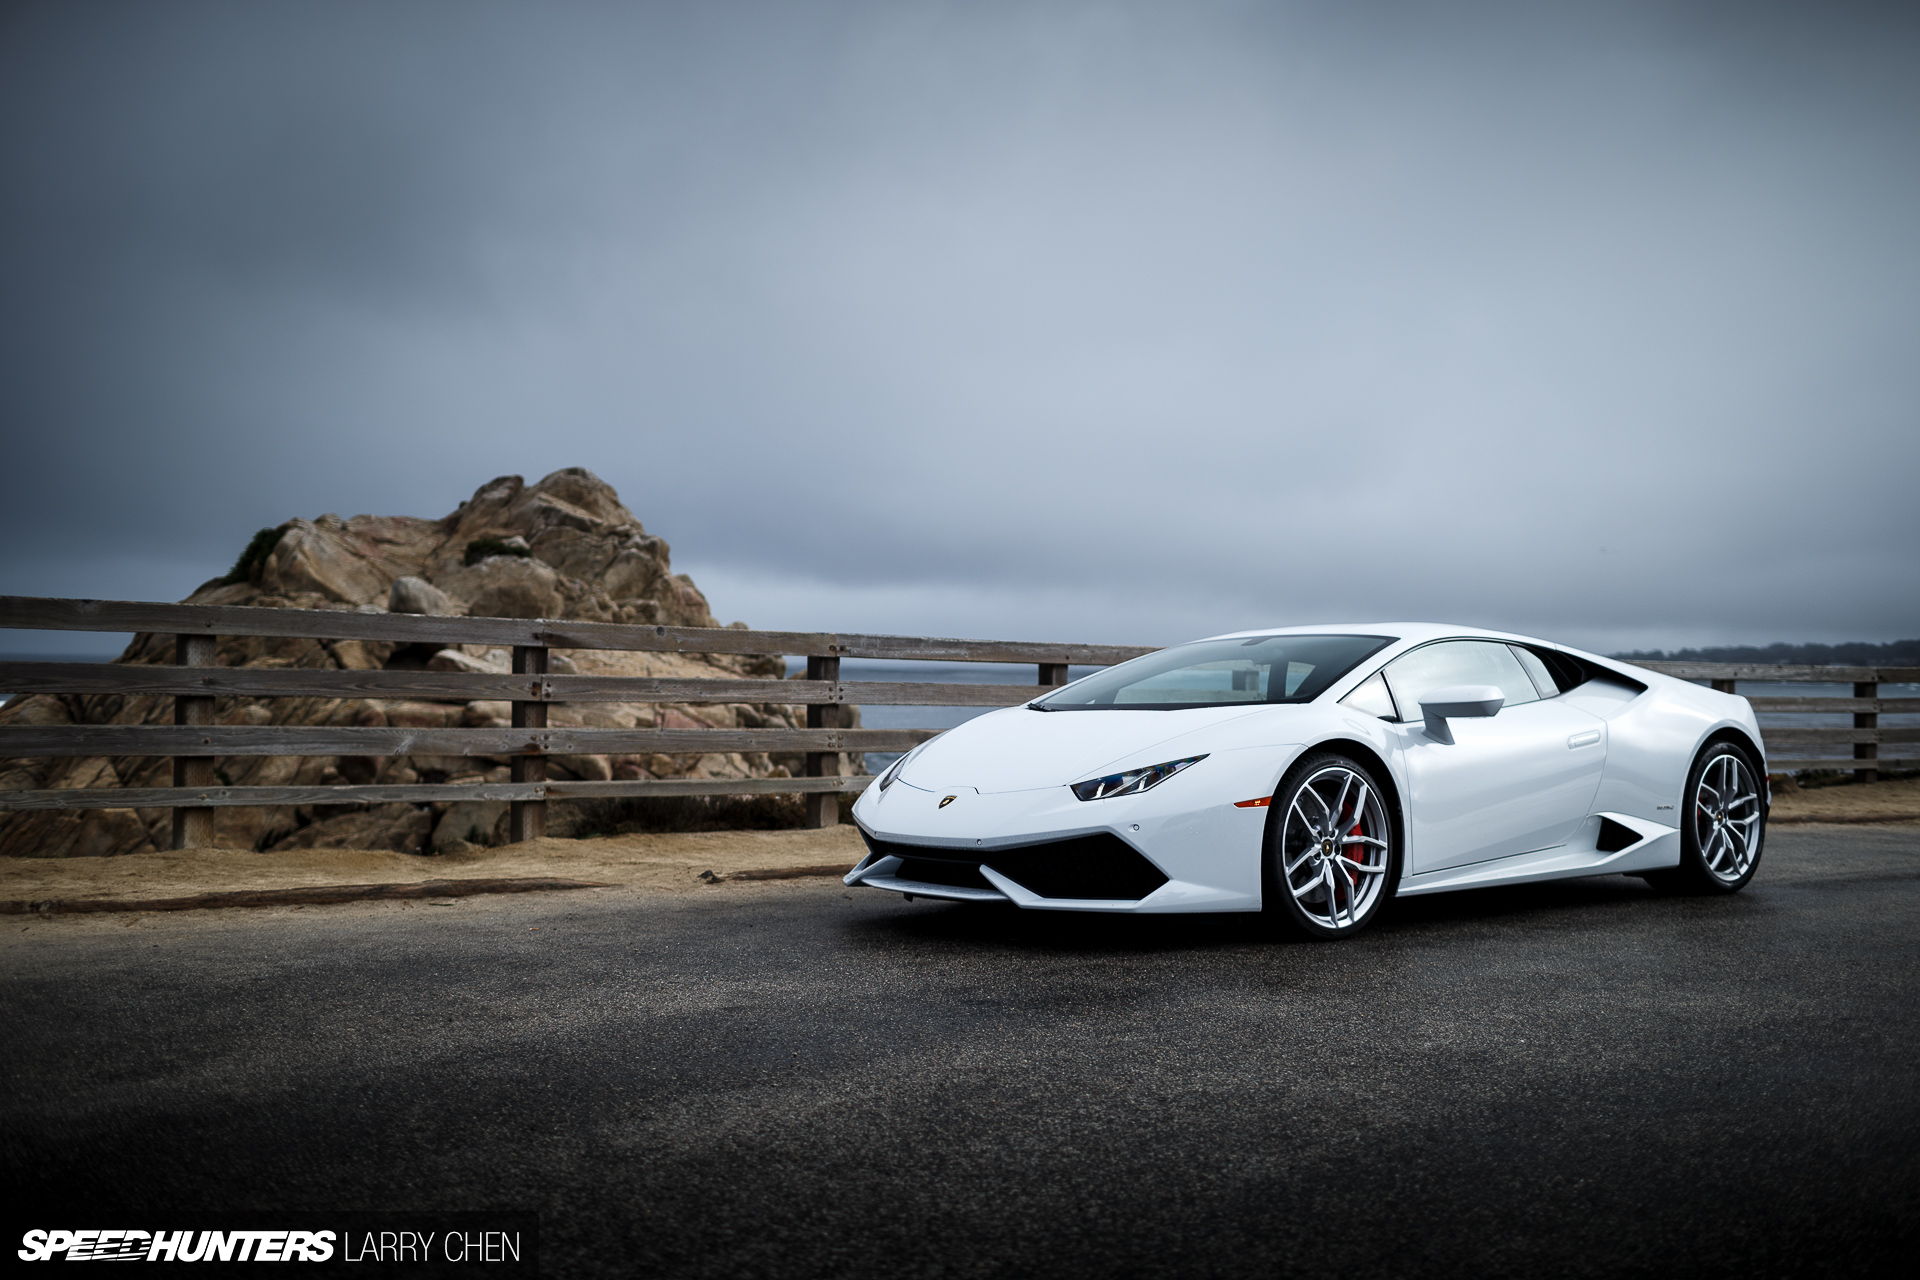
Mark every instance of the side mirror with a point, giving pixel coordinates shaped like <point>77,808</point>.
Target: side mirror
<point>1458,702</point>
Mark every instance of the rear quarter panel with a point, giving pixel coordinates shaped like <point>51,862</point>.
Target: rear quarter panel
<point>1652,739</point>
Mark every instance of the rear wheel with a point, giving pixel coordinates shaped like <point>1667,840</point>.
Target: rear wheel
<point>1330,854</point>
<point>1724,825</point>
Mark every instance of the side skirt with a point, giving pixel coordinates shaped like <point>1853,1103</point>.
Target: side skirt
<point>1657,848</point>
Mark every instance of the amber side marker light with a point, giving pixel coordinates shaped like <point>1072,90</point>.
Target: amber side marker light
<point>1261,803</point>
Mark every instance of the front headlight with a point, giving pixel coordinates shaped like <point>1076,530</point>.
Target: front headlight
<point>1133,781</point>
<point>893,770</point>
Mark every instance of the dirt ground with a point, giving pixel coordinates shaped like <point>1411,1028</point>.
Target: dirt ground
<point>652,863</point>
<point>1898,800</point>
<point>648,863</point>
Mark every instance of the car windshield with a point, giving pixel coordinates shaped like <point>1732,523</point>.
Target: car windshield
<point>1219,673</point>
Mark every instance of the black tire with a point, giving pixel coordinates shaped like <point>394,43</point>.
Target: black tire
<point>1331,855</point>
<point>1723,823</point>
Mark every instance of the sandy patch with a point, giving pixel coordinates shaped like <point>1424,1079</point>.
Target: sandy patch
<point>648,863</point>
<point>1896,801</point>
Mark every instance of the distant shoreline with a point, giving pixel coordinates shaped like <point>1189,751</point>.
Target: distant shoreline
<point>1895,653</point>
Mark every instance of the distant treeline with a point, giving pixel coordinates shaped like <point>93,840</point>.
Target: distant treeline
<point>1899,653</point>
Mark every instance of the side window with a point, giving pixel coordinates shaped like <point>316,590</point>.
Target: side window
<point>1542,677</point>
<point>1371,698</point>
<point>1459,662</point>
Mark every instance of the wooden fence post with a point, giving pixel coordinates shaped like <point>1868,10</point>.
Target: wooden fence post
<point>1723,686</point>
<point>193,828</point>
<point>823,807</point>
<point>1866,720</point>
<point>1053,673</point>
<point>527,819</point>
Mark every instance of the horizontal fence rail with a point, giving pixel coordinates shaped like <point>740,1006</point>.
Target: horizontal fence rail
<point>423,793</point>
<point>1903,706</point>
<point>194,683</point>
<point>1759,671</point>
<point>330,740</point>
<point>272,682</point>
<point>34,612</point>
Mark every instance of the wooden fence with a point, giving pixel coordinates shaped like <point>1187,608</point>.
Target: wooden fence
<point>194,742</point>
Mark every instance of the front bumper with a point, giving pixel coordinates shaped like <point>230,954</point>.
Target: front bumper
<point>1183,846</point>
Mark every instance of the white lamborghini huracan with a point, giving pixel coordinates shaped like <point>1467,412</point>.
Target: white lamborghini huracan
<point>1316,772</point>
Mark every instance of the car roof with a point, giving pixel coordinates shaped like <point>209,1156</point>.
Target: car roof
<point>1404,632</point>
<point>1408,635</point>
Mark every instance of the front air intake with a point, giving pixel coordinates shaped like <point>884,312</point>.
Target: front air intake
<point>958,875</point>
<point>1102,867</point>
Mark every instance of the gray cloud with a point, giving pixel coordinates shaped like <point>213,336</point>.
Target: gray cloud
<point>1103,321</point>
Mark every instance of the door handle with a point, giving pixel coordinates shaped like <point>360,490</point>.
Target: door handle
<point>1586,739</point>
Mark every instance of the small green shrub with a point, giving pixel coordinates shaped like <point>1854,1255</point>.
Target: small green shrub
<point>255,555</point>
<point>480,548</point>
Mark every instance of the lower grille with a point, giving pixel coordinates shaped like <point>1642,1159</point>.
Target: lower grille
<point>1100,866</point>
<point>961,875</point>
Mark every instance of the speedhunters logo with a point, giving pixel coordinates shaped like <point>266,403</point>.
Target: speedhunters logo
<point>364,1243</point>
<point>177,1246</point>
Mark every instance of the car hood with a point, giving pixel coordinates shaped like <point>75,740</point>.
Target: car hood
<point>1019,749</point>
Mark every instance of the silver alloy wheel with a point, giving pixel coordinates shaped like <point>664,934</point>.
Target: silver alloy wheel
<point>1726,812</point>
<point>1333,847</point>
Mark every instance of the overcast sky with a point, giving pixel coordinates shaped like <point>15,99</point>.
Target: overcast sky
<point>1057,321</point>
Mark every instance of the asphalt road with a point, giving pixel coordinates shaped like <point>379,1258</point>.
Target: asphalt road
<point>788,1080</point>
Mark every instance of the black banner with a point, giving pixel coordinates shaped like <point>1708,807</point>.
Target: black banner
<point>425,1243</point>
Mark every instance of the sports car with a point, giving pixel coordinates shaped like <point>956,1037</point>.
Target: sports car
<point>1317,772</point>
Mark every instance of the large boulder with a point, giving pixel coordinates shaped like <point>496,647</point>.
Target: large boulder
<point>505,586</point>
<point>416,595</point>
<point>565,547</point>
<point>352,561</point>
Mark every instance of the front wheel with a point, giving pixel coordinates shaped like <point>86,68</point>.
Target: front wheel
<point>1724,826</point>
<point>1330,851</point>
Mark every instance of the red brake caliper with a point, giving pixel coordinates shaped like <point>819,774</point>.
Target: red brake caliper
<point>1353,879</point>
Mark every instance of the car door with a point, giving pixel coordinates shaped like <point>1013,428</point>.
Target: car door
<point>1509,783</point>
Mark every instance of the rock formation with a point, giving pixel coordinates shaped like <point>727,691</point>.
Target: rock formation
<point>563,548</point>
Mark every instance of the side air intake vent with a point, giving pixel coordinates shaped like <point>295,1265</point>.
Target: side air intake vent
<point>1615,836</point>
<point>1102,866</point>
